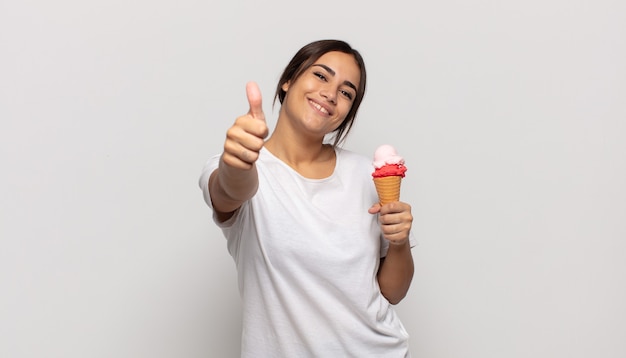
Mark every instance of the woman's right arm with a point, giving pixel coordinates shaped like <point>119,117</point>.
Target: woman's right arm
<point>236,179</point>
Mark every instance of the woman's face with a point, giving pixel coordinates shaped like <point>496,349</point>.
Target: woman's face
<point>319,100</point>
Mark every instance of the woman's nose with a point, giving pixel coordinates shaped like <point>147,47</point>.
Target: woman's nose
<point>329,94</point>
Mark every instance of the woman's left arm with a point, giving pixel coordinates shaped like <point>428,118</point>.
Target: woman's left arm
<point>396,269</point>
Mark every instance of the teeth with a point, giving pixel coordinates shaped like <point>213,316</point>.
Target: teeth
<point>319,108</point>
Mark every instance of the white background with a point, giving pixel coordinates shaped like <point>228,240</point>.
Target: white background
<point>511,116</point>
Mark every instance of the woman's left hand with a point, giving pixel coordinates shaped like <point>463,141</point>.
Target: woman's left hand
<point>395,221</point>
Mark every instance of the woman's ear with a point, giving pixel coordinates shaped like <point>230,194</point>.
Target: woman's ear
<point>285,86</point>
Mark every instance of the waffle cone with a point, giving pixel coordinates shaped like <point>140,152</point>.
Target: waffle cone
<point>388,189</point>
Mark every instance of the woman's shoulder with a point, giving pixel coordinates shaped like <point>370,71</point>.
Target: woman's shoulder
<point>352,159</point>
<point>352,155</point>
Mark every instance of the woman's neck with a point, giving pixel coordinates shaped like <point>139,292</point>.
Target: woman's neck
<point>311,158</point>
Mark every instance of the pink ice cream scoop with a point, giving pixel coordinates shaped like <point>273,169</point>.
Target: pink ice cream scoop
<point>387,162</point>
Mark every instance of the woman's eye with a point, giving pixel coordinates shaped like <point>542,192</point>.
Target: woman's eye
<point>347,94</point>
<point>321,76</point>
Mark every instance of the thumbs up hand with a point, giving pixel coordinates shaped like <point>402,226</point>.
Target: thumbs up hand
<point>246,137</point>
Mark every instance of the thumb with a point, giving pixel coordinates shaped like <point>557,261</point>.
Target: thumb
<point>254,99</point>
<point>374,209</point>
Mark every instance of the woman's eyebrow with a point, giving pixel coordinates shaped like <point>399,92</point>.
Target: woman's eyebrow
<point>332,72</point>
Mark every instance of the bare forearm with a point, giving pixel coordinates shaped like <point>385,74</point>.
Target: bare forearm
<point>230,187</point>
<point>396,272</point>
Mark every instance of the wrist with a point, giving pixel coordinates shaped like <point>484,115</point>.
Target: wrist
<point>398,243</point>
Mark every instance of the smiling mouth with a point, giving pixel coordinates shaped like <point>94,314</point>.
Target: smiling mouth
<point>319,107</point>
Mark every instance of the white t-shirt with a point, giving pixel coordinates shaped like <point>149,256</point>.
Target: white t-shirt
<point>307,252</point>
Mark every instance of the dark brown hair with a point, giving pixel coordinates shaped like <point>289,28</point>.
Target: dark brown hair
<point>305,58</point>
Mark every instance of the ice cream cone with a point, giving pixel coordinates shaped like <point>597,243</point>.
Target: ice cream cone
<point>388,189</point>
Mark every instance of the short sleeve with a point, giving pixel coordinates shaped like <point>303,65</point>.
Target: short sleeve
<point>211,165</point>
<point>203,182</point>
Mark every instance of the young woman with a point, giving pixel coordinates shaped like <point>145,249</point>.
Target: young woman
<point>319,262</point>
